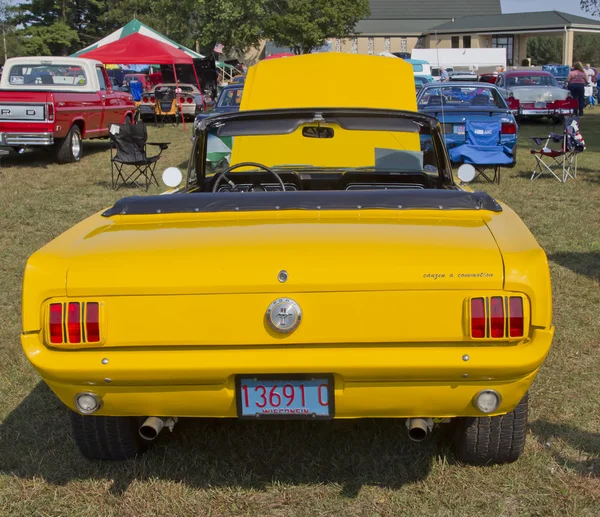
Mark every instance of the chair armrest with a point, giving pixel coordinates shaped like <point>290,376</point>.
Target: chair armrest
<point>162,145</point>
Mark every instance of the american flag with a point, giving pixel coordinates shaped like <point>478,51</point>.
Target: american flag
<point>218,48</point>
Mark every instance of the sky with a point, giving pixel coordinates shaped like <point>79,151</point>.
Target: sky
<point>565,6</point>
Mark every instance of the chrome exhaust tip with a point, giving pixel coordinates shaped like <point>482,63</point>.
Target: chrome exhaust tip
<point>153,425</point>
<point>418,428</point>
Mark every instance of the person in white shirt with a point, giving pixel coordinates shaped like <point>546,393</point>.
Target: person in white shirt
<point>589,72</point>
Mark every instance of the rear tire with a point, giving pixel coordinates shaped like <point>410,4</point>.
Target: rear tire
<point>108,437</point>
<point>492,440</point>
<point>69,149</point>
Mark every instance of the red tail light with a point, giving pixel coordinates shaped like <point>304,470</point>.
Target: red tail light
<point>508,128</point>
<point>497,316</point>
<point>189,100</point>
<point>92,322</point>
<point>145,99</point>
<point>515,319</point>
<point>151,99</point>
<point>74,322</point>
<point>50,112</point>
<point>56,324</point>
<point>477,317</point>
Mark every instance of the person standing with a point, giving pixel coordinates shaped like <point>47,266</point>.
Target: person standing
<point>589,73</point>
<point>444,76</point>
<point>576,82</point>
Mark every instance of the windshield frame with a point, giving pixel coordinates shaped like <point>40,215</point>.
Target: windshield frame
<point>371,119</point>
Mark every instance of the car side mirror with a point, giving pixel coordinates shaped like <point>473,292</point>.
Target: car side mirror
<point>466,173</point>
<point>172,177</point>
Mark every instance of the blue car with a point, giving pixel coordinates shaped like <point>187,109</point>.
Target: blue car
<point>456,105</point>
<point>229,100</point>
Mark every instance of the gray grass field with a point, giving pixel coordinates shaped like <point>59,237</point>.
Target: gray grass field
<point>366,468</point>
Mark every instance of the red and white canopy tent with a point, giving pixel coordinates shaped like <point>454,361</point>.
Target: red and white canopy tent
<point>138,49</point>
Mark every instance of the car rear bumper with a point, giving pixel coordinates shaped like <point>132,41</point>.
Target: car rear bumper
<point>543,112</point>
<point>26,139</point>
<point>370,381</point>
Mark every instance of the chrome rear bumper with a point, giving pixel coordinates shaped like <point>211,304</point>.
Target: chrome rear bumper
<point>25,139</point>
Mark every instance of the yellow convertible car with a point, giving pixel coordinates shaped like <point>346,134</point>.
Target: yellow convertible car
<point>337,268</point>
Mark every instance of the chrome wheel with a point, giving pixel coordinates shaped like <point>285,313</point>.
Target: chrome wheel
<point>76,145</point>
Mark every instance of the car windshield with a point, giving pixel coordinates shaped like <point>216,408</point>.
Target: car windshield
<point>44,75</point>
<point>230,98</point>
<point>395,144</point>
<point>457,97</point>
<point>531,80</point>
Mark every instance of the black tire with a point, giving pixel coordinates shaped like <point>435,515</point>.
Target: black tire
<point>492,440</point>
<point>108,437</point>
<point>67,149</point>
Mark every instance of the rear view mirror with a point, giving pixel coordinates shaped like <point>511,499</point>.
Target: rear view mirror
<point>172,177</point>
<point>466,173</point>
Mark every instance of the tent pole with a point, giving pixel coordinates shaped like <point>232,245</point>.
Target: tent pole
<point>199,86</point>
<point>179,107</point>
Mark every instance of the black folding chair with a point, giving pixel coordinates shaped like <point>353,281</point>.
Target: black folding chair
<point>130,162</point>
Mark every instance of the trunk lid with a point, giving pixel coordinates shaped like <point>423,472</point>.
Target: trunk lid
<point>322,252</point>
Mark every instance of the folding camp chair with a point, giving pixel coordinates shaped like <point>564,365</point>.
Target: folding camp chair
<point>483,149</point>
<point>130,162</point>
<point>561,162</point>
<point>166,106</point>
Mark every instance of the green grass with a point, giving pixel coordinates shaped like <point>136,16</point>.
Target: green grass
<point>365,468</point>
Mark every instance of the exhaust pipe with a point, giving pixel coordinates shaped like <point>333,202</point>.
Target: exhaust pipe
<point>153,425</point>
<point>418,428</point>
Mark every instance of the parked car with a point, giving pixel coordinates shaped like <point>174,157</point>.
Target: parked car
<point>229,100</point>
<point>142,78</point>
<point>454,105</point>
<point>421,68</point>
<point>538,93</point>
<point>57,102</point>
<point>420,81</point>
<point>489,78</point>
<point>463,76</point>
<point>192,102</point>
<point>327,207</point>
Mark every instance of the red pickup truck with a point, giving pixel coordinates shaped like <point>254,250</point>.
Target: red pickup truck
<point>58,101</point>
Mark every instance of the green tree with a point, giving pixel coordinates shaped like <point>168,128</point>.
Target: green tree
<point>544,49</point>
<point>9,43</point>
<point>586,48</point>
<point>59,26</point>
<point>237,24</point>
<point>591,6</point>
<point>305,25</point>
<point>175,19</point>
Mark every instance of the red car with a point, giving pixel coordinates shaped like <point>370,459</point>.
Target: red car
<point>58,101</point>
<point>537,91</point>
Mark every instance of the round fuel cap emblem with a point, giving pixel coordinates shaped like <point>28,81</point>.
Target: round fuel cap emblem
<point>284,315</point>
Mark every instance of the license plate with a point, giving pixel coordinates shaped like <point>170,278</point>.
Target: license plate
<point>540,104</point>
<point>459,130</point>
<point>285,397</point>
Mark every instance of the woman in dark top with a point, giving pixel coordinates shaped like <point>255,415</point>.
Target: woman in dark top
<point>576,83</point>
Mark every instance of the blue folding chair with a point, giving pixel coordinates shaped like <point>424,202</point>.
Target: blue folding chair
<point>483,149</point>
<point>136,90</point>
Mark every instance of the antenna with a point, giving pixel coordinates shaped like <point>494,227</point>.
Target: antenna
<point>437,51</point>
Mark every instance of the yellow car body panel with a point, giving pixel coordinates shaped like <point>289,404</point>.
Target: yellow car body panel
<point>385,294</point>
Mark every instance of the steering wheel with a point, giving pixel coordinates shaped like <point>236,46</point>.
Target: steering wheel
<point>223,175</point>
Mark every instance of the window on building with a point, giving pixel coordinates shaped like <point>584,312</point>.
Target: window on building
<point>466,41</point>
<point>506,42</point>
<point>455,41</point>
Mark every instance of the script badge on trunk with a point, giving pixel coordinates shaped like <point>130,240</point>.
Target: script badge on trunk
<point>284,315</point>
